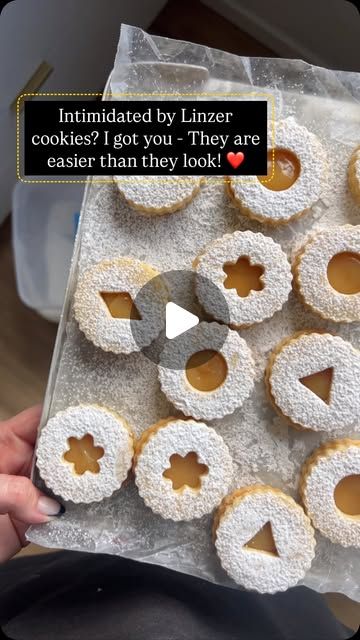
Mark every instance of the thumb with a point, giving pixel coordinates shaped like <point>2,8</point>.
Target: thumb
<point>22,500</point>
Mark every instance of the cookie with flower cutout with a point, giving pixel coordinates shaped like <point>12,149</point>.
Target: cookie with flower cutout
<point>327,273</point>
<point>294,182</point>
<point>354,174</point>
<point>212,374</point>
<point>312,380</point>
<point>330,491</point>
<point>263,538</point>
<point>251,271</point>
<point>158,195</point>
<point>84,453</point>
<point>104,304</point>
<point>183,468</point>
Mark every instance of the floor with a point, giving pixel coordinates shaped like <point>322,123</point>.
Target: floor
<point>26,340</point>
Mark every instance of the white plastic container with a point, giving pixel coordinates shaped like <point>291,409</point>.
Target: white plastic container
<point>45,220</point>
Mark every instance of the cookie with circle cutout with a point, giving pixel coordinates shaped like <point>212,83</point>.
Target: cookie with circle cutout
<point>183,468</point>
<point>330,491</point>
<point>84,453</point>
<point>104,304</point>
<point>312,381</point>
<point>157,195</point>
<point>264,540</point>
<point>251,271</point>
<point>295,180</point>
<point>327,273</point>
<point>354,174</point>
<point>213,371</point>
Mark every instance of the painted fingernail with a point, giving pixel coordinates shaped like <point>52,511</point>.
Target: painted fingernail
<point>49,507</point>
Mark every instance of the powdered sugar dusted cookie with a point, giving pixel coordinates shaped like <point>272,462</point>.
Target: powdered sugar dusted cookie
<point>183,468</point>
<point>213,371</point>
<point>327,273</point>
<point>84,453</point>
<point>354,174</point>
<point>312,380</point>
<point>330,490</point>
<point>295,180</point>
<point>104,304</point>
<point>264,539</point>
<point>251,271</point>
<point>156,195</point>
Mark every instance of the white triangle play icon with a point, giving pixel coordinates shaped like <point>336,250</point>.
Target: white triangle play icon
<point>178,320</point>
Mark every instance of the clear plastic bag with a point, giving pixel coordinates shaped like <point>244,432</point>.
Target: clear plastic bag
<point>263,447</point>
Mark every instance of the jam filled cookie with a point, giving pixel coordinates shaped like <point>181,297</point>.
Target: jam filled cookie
<point>327,273</point>
<point>296,173</point>
<point>251,271</point>
<point>313,381</point>
<point>330,491</point>
<point>84,453</point>
<point>104,304</point>
<point>354,174</point>
<point>263,538</point>
<point>157,195</point>
<point>183,468</point>
<point>212,374</point>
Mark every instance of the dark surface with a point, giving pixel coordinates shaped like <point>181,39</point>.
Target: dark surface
<point>78,596</point>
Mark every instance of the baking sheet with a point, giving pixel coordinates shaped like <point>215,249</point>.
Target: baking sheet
<point>263,447</point>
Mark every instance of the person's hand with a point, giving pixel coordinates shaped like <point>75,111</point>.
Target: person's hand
<point>21,503</point>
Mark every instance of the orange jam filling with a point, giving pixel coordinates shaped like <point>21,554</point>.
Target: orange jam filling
<point>347,495</point>
<point>83,454</point>
<point>185,471</point>
<point>206,370</point>
<point>121,305</point>
<point>243,276</point>
<point>283,173</point>
<point>320,383</point>
<point>263,541</point>
<point>343,272</point>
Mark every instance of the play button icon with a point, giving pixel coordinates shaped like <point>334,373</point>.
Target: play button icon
<point>178,317</point>
<point>178,320</point>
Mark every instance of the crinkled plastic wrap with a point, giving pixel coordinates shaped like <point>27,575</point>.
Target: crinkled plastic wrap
<point>263,447</point>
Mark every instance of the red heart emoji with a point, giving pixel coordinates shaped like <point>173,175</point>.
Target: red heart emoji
<point>235,159</point>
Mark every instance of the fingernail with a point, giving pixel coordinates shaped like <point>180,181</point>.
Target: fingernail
<point>49,507</point>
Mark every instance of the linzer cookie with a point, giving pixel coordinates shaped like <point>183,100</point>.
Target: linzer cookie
<point>354,174</point>
<point>183,468</point>
<point>105,304</point>
<point>85,453</point>
<point>251,271</point>
<point>295,179</point>
<point>327,273</point>
<point>313,381</point>
<point>264,540</point>
<point>212,373</point>
<point>330,490</point>
<point>157,195</point>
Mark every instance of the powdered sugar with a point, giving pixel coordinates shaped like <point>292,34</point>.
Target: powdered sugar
<point>308,354</point>
<point>260,250</point>
<point>262,446</point>
<point>319,482</point>
<point>311,273</point>
<point>108,430</point>
<point>292,532</point>
<point>158,194</point>
<point>280,206</point>
<point>182,437</point>
<point>234,390</point>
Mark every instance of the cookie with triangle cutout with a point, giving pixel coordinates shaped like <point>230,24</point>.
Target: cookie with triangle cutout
<point>264,540</point>
<point>312,381</point>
